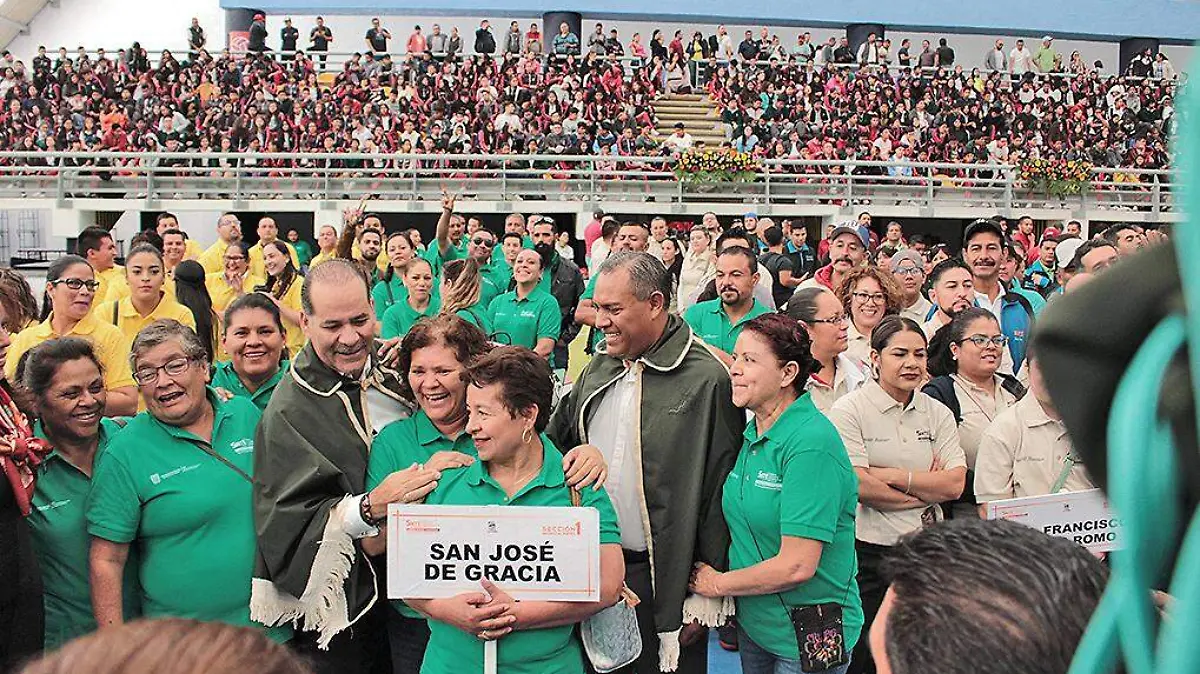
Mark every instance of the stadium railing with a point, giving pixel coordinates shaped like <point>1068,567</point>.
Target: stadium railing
<point>66,176</point>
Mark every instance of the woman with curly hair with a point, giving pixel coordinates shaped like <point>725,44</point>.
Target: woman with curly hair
<point>867,294</point>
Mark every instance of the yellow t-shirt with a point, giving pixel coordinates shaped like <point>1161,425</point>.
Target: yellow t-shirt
<point>291,299</point>
<point>112,348</point>
<point>111,281</point>
<point>213,259</point>
<point>192,250</point>
<point>321,257</point>
<point>259,268</point>
<point>222,294</point>
<point>131,322</point>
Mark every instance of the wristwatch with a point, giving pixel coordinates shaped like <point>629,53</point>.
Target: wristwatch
<point>364,511</point>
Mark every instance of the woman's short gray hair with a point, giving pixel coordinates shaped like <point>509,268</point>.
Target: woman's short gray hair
<point>164,330</point>
<point>647,275</point>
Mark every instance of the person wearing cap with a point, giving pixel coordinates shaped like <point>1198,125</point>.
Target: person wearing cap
<point>1045,56</point>
<point>983,251</point>
<point>288,37</point>
<point>1011,272</point>
<point>258,34</point>
<point>908,268</point>
<point>846,251</point>
<point>1066,265</point>
<point>1040,273</point>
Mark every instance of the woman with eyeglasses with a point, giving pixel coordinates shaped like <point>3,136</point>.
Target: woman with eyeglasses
<point>821,314</point>
<point>904,447</point>
<point>254,338</point>
<point>175,485</point>
<point>147,301</point>
<point>68,387</point>
<point>417,302</point>
<point>964,361</point>
<point>284,286</point>
<point>389,289</point>
<point>462,291</point>
<point>66,310</point>
<point>234,279</point>
<point>527,316</point>
<point>867,295</point>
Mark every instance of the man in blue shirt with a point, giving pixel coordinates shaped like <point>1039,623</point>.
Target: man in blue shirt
<point>804,258</point>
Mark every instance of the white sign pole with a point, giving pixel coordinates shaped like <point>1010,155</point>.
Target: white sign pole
<point>489,657</point>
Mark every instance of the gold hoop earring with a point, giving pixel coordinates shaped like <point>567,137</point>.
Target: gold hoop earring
<point>527,435</point>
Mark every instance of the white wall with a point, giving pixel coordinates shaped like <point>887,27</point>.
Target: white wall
<point>113,24</point>
<point>117,23</point>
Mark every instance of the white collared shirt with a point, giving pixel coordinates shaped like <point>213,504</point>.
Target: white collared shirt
<point>613,430</point>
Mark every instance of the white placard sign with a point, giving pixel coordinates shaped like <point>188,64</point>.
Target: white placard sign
<point>1082,516</point>
<point>532,553</point>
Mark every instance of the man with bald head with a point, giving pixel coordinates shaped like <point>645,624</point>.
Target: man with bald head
<point>268,231</point>
<point>310,501</point>
<point>229,229</point>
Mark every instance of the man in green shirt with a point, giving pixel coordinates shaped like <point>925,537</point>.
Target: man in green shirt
<point>1045,55</point>
<point>719,322</point>
<point>449,242</point>
<point>480,247</point>
<point>515,224</point>
<point>303,250</point>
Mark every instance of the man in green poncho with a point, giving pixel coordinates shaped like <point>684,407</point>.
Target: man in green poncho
<point>657,403</point>
<point>310,504</point>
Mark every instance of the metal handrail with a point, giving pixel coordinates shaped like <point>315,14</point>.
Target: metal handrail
<point>154,56</point>
<point>68,177</point>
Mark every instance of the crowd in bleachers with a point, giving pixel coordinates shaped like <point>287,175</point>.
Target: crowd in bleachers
<point>774,102</point>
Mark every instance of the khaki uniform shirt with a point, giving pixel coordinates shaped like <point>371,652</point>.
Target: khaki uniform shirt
<point>850,374</point>
<point>1023,453</point>
<point>878,431</point>
<point>978,408</point>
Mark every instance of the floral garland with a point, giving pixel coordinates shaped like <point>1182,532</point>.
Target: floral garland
<point>1056,177</point>
<point>721,165</point>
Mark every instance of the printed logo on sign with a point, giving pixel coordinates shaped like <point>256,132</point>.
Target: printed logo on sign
<point>768,480</point>
<point>243,446</point>
<point>491,527</point>
<point>418,525</point>
<point>575,529</point>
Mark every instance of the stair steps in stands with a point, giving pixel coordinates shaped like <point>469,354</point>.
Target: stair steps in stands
<point>697,112</point>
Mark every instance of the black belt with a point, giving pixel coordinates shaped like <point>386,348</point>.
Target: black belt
<point>636,556</point>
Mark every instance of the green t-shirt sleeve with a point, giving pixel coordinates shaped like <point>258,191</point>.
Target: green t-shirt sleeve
<point>387,454</point>
<point>391,323</point>
<point>590,290</point>
<point>379,297</point>
<point>598,499</point>
<point>114,508</point>
<point>812,498</point>
<point>549,320</point>
<point>692,317</point>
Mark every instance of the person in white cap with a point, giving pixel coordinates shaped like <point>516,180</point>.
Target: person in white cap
<point>1045,56</point>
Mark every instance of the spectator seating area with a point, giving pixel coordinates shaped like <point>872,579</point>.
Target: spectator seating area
<point>596,104</point>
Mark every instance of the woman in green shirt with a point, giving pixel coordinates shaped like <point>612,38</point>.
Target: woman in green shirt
<point>789,502</point>
<point>389,289</point>
<point>462,286</point>
<point>175,485</point>
<point>417,302</point>
<point>69,386</point>
<point>434,356</point>
<point>527,316</point>
<point>254,340</point>
<point>509,396</point>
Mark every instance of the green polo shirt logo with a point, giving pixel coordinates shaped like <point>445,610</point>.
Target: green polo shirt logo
<point>768,480</point>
